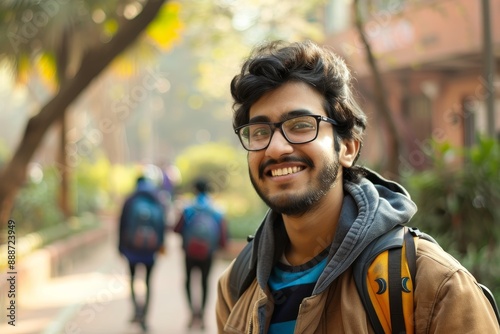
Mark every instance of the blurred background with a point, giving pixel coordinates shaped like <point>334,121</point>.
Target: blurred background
<point>94,93</point>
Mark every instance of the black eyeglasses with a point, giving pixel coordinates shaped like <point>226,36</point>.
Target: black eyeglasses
<point>296,130</point>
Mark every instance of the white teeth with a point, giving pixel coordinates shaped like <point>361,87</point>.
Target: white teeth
<point>285,171</point>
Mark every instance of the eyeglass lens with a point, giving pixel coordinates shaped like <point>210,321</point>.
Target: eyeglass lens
<point>296,130</point>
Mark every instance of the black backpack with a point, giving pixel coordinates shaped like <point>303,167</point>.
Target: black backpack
<point>398,283</point>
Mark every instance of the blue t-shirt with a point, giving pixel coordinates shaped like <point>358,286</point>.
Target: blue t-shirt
<point>289,286</point>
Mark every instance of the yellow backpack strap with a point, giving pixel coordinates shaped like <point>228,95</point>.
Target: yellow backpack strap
<point>384,279</point>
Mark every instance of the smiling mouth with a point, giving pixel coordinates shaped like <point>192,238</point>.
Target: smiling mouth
<point>286,171</point>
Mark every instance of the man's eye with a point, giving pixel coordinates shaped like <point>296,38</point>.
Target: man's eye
<point>255,132</point>
<point>301,125</point>
<point>244,132</point>
<point>258,132</point>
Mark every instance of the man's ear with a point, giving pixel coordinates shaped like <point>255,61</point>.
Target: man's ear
<point>349,149</point>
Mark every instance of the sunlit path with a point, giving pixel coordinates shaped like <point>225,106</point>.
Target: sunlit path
<point>95,297</point>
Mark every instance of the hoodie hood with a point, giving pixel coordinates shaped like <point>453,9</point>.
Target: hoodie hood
<point>371,207</point>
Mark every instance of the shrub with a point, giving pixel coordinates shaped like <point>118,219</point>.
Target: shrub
<point>35,206</point>
<point>459,206</point>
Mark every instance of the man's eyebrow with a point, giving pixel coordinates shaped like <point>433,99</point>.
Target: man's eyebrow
<point>257,119</point>
<point>294,113</point>
<point>284,117</point>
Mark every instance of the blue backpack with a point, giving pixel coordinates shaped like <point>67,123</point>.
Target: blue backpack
<point>201,232</point>
<point>144,224</point>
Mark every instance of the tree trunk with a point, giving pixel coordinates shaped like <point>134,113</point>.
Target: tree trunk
<point>382,107</point>
<point>62,60</point>
<point>64,170</point>
<point>12,176</point>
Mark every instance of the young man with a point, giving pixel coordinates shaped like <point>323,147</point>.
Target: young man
<point>296,115</point>
<point>203,230</point>
<point>140,247</point>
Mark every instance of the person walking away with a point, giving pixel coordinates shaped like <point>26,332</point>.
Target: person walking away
<point>203,231</point>
<point>141,238</point>
<point>296,115</point>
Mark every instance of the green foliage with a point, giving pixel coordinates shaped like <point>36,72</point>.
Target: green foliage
<point>36,204</point>
<point>101,186</point>
<point>167,27</point>
<point>95,186</point>
<point>236,26</point>
<point>225,168</point>
<point>461,201</point>
<point>31,28</point>
<point>92,185</point>
<point>459,205</point>
<point>28,242</point>
<point>218,163</point>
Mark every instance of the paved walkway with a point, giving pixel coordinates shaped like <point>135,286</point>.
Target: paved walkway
<point>94,298</point>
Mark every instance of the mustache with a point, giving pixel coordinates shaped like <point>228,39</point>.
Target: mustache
<point>308,162</point>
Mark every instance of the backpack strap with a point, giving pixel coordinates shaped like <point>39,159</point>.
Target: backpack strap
<point>491,298</point>
<point>411,250</point>
<point>395,300</point>
<point>244,268</point>
<point>243,271</point>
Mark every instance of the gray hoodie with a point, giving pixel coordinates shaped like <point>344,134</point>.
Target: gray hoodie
<point>371,207</point>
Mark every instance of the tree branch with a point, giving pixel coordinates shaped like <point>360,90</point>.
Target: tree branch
<point>93,63</point>
<point>380,96</point>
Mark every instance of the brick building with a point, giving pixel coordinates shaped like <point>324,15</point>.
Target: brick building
<point>431,57</point>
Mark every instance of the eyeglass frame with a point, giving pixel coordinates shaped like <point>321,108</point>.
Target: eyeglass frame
<point>279,125</point>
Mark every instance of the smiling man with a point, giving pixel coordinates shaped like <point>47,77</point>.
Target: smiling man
<point>296,116</point>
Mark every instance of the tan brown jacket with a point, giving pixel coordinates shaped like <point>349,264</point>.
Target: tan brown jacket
<point>447,300</point>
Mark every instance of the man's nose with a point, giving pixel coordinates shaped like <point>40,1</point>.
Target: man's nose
<point>278,145</point>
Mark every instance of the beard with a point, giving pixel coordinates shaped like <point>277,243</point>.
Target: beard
<point>297,204</point>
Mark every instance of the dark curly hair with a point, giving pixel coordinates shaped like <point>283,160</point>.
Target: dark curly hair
<point>276,63</point>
